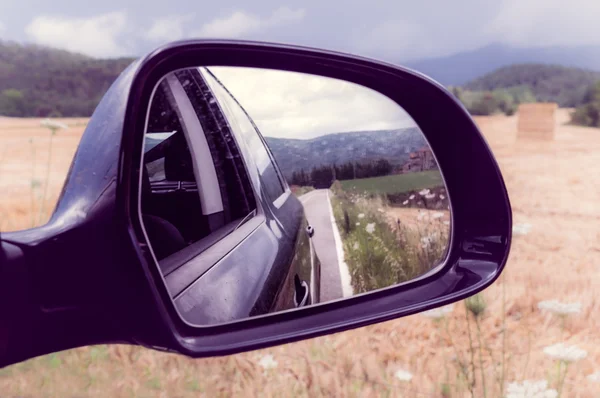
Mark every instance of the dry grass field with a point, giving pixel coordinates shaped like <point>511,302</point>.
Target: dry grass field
<point>554,187</point>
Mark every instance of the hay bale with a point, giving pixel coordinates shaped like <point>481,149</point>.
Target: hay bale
<point>537,121</point>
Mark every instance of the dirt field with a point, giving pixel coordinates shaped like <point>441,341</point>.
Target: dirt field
<point>554,187</point>
<point>24,160</point>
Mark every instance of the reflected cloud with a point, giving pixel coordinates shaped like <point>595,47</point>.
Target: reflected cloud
<point>297,105</point>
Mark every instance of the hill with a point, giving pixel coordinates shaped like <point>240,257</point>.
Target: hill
<point>548,83</point>
<point>359,146</point>
<point>460,68</point>
<point>40,81</point>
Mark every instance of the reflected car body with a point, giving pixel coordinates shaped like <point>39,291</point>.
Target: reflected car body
<point>261,263</point>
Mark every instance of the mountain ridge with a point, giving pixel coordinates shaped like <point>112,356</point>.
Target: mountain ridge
<point>46,82</point>
<point>464,66</point>
<point>393,145</point>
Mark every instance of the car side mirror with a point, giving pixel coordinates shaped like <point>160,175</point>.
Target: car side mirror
<point>179,224</point>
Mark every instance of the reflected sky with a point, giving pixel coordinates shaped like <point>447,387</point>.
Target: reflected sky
<point>297,105</point>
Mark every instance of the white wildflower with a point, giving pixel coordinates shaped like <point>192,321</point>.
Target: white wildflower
<point>405,202</point>
<point>268,362</point>
<point>565,353</point>
<point>53,124</point>
<point>437,214</point>
<point>521,229</point>
<point>594,376</point>
<point>430,196</point>
<point>370,228</point>
<point>361,215</point>
<point>559,308</point>
<point>411,197</point>
<point>530,389</point>
<point>355,246</point>
<point>357,223</point>
<point>442,197</point>
<point>438,313</point>
<point>403,375</point>
<point>426,241</point>
<point>424,192</point>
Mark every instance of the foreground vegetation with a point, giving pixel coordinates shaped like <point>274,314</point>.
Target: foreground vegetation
<point>588,114</point>
<point>381,251</point>
<point>503,90</point>
<point>547,83</point>
<point>501,100</point>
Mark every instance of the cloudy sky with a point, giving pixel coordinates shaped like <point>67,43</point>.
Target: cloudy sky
<point>395,30</point>
<point>296,105</point>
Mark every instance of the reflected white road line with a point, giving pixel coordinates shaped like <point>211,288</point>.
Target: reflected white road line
<point>346,280</point>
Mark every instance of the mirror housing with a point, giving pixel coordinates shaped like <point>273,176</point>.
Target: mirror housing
<point>88,277</point>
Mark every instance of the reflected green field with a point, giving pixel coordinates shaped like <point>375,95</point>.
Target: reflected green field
<point>395,183</point>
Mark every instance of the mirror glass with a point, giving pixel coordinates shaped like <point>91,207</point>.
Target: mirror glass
<point>265,191</point>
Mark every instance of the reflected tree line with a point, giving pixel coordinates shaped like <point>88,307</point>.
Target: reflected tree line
<point>324,176</point>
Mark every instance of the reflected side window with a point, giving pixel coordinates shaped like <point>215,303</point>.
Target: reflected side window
<point>193,193</point>
<point>244,128</point>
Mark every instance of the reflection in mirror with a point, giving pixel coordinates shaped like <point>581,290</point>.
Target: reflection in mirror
<point>264,191</point>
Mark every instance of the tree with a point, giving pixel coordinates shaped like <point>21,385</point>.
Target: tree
<point>588,114</point>
<point>486,105</point>
<point>12,103</point>
<point>294,179</point>
<point>322,177</point>
<point>456,91</point>
<point>382,167</point>
<point>303,178</point>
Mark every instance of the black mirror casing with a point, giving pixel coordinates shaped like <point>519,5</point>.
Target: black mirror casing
<point>87,277</point>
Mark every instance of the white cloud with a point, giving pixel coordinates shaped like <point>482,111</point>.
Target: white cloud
<point>168,28</point>
<point>2,28</point>
<point>242,23</point>
<point>99,36</point>
<point>546,23</point>
<point>296,105</point>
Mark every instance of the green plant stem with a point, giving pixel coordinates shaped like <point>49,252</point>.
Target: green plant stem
<point>528,354</point>
<point>480,356</point>
<point>440,342</point>
<point>564,376</point>
<point>496,376</point>
<point>471,349</point>
<point>462,369</point>
<point>47,182</point>
<point>558,366</point>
